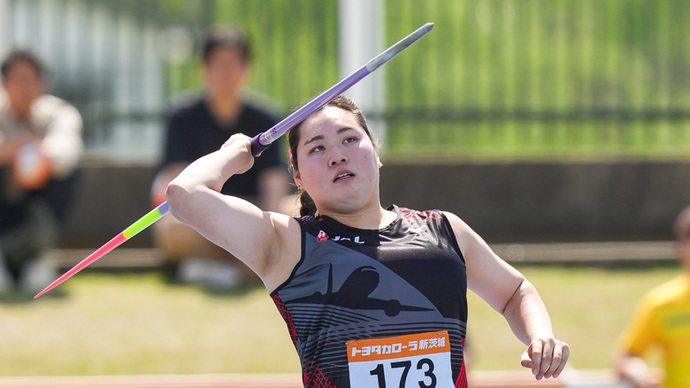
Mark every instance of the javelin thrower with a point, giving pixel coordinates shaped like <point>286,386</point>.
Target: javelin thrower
<point>259,143</point>
<point>371,296</point>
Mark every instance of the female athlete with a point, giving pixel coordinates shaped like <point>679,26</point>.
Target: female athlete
<point>372,296</point>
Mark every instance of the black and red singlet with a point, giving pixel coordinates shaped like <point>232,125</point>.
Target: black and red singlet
<point>353,285</point>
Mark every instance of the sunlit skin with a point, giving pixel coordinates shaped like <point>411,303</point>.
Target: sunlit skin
<point>332,144</point>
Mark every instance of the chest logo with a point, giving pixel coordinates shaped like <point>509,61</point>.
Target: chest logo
<point>355,240</point>
<point>355,293</point>
<point>322,236</point>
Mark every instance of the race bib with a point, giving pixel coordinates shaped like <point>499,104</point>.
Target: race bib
<point>409,361</point>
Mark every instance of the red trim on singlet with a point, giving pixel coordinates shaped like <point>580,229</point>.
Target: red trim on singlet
<point>288,319</point>
<point>315,378</point>
<point>461,381</point>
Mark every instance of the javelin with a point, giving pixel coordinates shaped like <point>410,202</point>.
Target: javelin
<point>258,144</point>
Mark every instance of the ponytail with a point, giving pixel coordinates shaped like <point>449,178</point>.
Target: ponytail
<point>307,205</point>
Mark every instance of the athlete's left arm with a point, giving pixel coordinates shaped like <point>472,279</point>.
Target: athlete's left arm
<point>506,290</point>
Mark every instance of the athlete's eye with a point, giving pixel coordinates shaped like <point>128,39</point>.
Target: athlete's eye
<point>350,140</point>
<point>316,149</point>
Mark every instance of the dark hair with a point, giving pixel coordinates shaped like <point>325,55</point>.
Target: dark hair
<point>307,205</point>
<point>21,56</point>
<point>230,38</point>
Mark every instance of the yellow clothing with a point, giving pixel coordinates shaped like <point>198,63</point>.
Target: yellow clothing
<point>663,319</point>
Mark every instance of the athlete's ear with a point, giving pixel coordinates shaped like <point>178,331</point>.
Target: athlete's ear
<point>297,178</point>
<point>378,160</point>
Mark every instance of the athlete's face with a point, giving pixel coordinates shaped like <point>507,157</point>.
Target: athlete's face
<point>338,163</point>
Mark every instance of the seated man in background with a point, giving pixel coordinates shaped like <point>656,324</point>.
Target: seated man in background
<point>662,319</point>
<point>40,146</point>
<point>200,126</point>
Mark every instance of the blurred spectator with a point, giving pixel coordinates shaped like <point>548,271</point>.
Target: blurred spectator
<point>200,126</point>
<point>662,319</point>
<point>40,146</point>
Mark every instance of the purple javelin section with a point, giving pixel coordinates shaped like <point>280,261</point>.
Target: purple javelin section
<point>261,141</point>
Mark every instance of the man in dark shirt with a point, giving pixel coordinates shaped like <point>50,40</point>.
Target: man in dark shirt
<point>200,126</point>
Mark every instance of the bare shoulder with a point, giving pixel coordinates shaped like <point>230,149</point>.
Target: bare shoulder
<point>453,218</point>
<point>462,231</point>
<point>488,275</point>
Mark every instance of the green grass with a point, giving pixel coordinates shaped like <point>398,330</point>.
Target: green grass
<point>137,324</point>
<point>589,307</point>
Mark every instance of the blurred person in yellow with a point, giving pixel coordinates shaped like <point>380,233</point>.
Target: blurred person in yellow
<point>662,319</point>
<point>40,147</point>
<point>200,125</point>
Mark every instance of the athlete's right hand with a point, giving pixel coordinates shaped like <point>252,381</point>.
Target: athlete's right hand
<point>242,146</point>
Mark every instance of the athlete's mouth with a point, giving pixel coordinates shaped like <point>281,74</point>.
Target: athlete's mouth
<point>342,176</point>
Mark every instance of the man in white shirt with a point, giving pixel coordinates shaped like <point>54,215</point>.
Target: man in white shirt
<point>40,147</point>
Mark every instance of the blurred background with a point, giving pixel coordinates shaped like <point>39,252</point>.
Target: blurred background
<point>548,87</point>
<point>546,90</point>
<point>558,129</point>
<point>496,80</point>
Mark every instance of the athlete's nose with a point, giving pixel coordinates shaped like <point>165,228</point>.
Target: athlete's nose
<point>337,158</point>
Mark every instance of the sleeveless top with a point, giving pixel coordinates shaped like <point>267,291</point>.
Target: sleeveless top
<point>354,284</point>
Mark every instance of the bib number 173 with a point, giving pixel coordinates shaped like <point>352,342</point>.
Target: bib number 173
<point>413,361</point>
<point>425,364</point>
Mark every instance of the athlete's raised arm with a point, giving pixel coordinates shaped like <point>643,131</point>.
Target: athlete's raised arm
<point>269,243</point>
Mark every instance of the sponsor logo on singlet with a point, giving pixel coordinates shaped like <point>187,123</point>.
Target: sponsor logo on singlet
<point>355,240</point>
<point>322,236</point>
